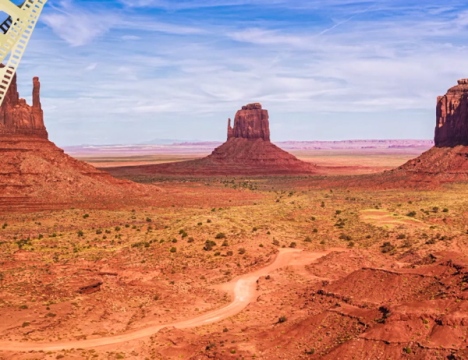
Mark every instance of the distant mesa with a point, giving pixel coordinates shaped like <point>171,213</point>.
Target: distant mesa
<point>35,174</point>
<point>247,151</point>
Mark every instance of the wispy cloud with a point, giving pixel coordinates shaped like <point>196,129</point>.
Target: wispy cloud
<point>79,25</point>
<point>129,71</point>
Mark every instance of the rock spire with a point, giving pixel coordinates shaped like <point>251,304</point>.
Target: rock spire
<point>19,118</point>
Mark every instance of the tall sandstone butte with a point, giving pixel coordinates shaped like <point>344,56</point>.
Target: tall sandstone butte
<point>452,116</point>
<point>247,151</point>
<point>251,122</point>
<point>19,118</point>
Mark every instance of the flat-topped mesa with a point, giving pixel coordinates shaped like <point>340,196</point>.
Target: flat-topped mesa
<point>251,122</point>
<point>19,118</point>
<point>452,116</point>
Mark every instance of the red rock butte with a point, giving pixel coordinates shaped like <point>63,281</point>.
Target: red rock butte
<point>36,174</point>
<point>452,116</point>
<point>446,162</point>
<point>247,151</point>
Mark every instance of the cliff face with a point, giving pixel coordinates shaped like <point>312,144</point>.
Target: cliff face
<point>19,118</point>
<point>452,116</point>
<point>251,122</point>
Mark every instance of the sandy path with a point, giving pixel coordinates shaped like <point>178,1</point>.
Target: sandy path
<point>242,288</point>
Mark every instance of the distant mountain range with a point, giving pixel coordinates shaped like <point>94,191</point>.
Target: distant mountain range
<point>173,146</point>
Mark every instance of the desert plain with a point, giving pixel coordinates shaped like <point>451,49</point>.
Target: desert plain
<point>343,272</point>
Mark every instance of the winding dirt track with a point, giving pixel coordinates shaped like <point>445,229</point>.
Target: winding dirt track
<point>242,288</point>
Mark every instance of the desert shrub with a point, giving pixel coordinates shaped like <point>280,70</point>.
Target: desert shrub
<point>217,253</point>
<point>241,251</point>
<point>199,224</point>
<point>282,319</point>
<point>80,233</point>
<point>4,226</point>
<point>209,244</point>
<point>411,214</point>
<point>315,230</point>
<point>225,243</point>
<point>435,209</point>
<point>276,242</point>
<point>23,307</point>
<point>345,237</point>
<point>117,228</point>
<point>145,244</point>
<point>445,210</point>
<point>387,247</point>
<point>190,240</point>
<point>173,249</point>
<point>254,229</point>
<point>148,219</point>
<point>337,212</point>
<point>40,236</point>
<point>174,240</point>
<point>85,216</point>
<point>208,221</point>
<point>220,236</point>
<point>26,323</point>
<point>229,253</point>
<point>292,245</point>
<point>98,232</point>
<point>312,218</point>
<point>401,236</point>
<point>307,239</point>
<point>310,352</point>
<point>407,350</point>
<point>340,223</point>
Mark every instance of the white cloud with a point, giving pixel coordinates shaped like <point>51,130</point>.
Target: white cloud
<point>152,73</point>
<point>79,25</point>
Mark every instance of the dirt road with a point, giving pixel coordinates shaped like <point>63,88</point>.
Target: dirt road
<point>242,289</point>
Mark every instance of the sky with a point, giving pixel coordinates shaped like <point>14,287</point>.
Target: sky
<point>131,71</point>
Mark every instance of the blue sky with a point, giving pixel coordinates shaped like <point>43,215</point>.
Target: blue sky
<point>130,71</point>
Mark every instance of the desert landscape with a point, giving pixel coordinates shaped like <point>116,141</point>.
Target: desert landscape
<point>248,252</point>
<point>322,220</point>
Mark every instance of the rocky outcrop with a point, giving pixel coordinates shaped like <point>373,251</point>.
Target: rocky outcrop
<point>35,174</point>
<point>19,118</point>
<point>251,122</point>
<point>247,151</point>
<point>452,116</point>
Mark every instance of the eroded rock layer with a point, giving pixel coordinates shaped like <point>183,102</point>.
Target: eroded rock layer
<point>19,118</point>
<point>251,122</point>
<point>452,116</point>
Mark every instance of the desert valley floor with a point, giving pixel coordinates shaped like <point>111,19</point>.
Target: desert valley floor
<point>242,268</point>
